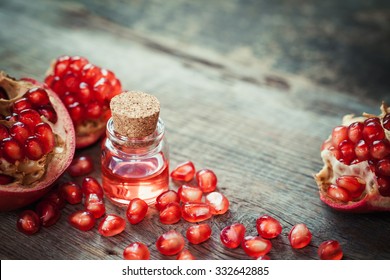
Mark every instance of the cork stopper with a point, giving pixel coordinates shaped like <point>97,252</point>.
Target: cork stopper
<point>135,114</point>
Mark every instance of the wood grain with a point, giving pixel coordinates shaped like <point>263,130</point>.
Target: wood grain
<point>258,128</point>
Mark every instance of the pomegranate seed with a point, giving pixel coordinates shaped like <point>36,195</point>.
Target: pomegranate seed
<point>299,236</point>
<point>48,112</point>
<point>20,105</point>
<point>101,89</point>
<point>347,150</point>
<point>32,148</point>
<point>185,255</point>
<point>256,246</point>
<point>19,132</point>
<point>268,227</point>
<point>136,251</point>
<point>171,214</point>
<point>383,167</point>
<point>61,65</point>
<point>77,63</point>
<point>384,186</point>
<point>56,198</point>
<point>85,95</point>
<point>136,211</point>
<point>353,184</point>
<point>373,131</point>
<point>197,234</point>
<point>30,118</point>
<point>95,205</point>
<point>28,222</point>
<point>69,99</point>
<point>90,73</point>
<point>339,134</point>
<point>71,192</point>
<point>91,185</point>
<point>232,236</point>
<point>37,96</point>
<point>94,110</point>
<point>207,180</point>
<point>170,243</point>
<point>362,150</point>
<point>379,149</point>
<point>330,250</point>
<point>5,179</point>
<point>165,198</point>
<point>219,204</point>
<point>46,136</point>
<point>48,213</point>
<point>190,194</point>
<point>80,166</point>
<point>386,121</point>
<point>355,132</point>
<point>112,225</point>
<point>335,152</point>
<point>11,150</point>
<point>338,193</point>
<point>82,220</point>
<point>4,133</point>
<point>76,112</point>
<point>194,212</point>
<point>183,172</point>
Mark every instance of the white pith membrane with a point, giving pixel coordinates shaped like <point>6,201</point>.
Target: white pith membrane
<point>370,199</point>
<point>28,173</point>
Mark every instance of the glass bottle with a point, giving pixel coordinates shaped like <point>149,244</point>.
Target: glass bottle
<point>134,167</point>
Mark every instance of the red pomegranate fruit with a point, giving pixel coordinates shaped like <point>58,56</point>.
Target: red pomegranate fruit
<point>37,141</point>
<point>86,91</point>
<point>356,172</point>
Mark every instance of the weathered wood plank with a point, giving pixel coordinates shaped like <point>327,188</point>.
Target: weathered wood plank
<point>258,129</point>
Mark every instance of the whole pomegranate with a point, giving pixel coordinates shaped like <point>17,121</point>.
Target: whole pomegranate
<point>356,172</point>
<point>37,141</point>
<point>86,91</point>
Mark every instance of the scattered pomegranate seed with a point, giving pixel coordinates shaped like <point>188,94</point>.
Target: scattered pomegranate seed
<point>136,251</point>
<point>171,214</point>
<point>136,211</point>
<point>232,236</point>
<point>71,192</point>
<point>185,255</point>
<point>183,172</point>
<point>194,212</point>
<point>268,227</point>
<point>219,204</point>
<point>207,180</point>
<point>80,166</point>
<point>165,198</point>
<point>170,243</point>
<point>56,198</point>
<point>354,185</point>
<point>112,225</point>
<point>299,236</point>
<point>91,185</point>
<point>197,234</point>
<point>82,220</point>
<point>28,222</point>
<point>48,213</point>
<point>330,250</point>
<point>95,205</point>
<point>190,194</point>
<point>256,246</point>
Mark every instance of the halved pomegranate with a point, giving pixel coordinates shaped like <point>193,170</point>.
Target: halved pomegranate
<point>356,172</point>
<point>86,91</point>
<point>37,141</point>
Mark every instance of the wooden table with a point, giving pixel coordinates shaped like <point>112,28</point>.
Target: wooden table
<point>249,90</point>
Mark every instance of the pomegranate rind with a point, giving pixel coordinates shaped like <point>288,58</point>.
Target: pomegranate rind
<point>370,200</point>
<point>16,195</point>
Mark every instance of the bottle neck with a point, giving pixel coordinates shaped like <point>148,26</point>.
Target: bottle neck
<point>135,145</point>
